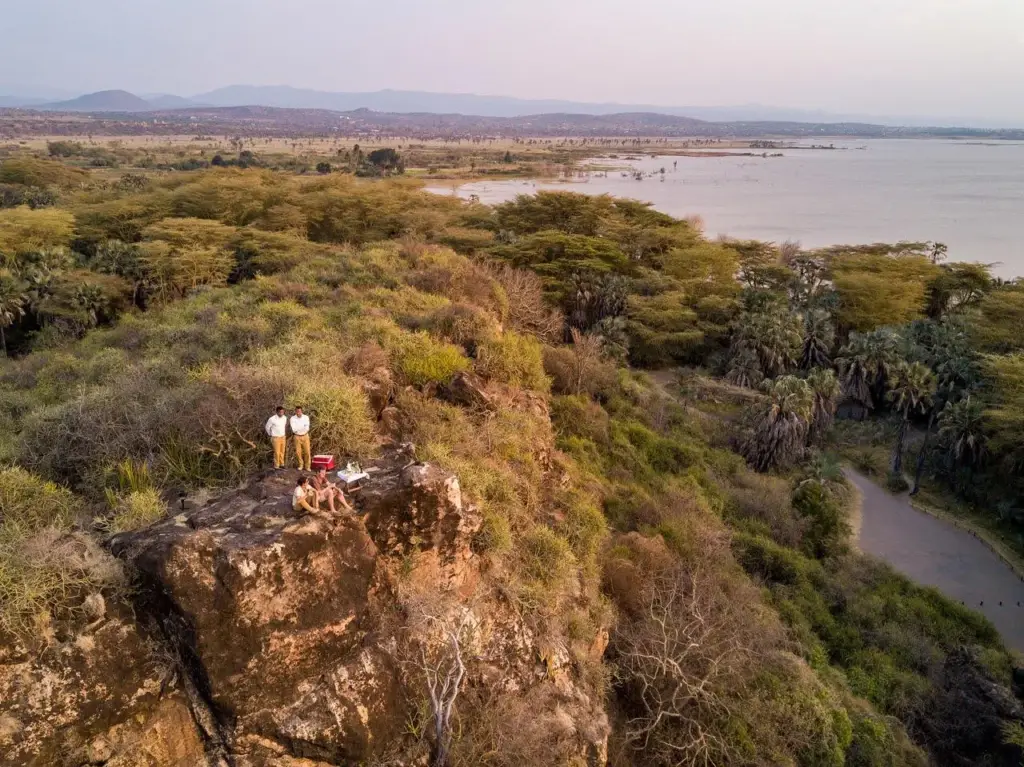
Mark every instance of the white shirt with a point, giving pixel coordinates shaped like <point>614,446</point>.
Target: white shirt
<point>276,425</point>
<point>299,424</point>
<point>298,494</point>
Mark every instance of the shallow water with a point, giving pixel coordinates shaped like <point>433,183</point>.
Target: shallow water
<point>938,553</point>
<point>968,195</point>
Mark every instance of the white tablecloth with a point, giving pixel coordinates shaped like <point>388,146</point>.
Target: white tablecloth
<point>348,477</point>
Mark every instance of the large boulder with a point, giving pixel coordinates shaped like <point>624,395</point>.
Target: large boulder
<point>272,613</point>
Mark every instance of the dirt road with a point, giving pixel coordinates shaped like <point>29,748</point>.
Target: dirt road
<point>936,553</point>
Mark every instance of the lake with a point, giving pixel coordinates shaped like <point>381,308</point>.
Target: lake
<point>969,195</point>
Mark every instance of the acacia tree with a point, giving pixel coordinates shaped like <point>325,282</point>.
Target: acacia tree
<point>780,424</point>
<point>911,392</point>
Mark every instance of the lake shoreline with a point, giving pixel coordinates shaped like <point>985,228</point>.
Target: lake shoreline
<point>960,193</point>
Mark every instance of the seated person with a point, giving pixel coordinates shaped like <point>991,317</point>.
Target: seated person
<point>302,495</point>
<point>328,491</point>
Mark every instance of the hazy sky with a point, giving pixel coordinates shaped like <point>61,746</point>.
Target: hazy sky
<point>904,57</point>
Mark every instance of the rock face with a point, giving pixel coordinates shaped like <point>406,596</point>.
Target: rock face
<point>262,637</point>
<point>102,695</point>
<point>271,612</point>
<point>295,633</point>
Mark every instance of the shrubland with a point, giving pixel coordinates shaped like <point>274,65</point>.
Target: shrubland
<point>153,323</point>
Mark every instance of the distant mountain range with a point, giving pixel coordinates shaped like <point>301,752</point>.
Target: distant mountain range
<point>291,122</point>
<point>394,101</point>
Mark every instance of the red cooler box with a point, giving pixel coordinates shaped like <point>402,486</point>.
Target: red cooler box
<point>323,462</point>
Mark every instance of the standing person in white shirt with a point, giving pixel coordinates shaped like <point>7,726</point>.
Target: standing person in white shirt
<point>300,431</point>
<point>275,428</point>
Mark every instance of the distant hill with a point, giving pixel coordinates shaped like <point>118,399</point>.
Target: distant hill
<point>445,103</point>
<point>101,101</point>
<point>8,102</point>
<point>282,122</point>
<point>170,101</point>
<point>424,102</point>
<point>508,106</point>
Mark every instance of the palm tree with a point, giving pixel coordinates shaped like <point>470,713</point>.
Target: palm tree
<point>865,363</point>
<point>961,429</point>
<point>12,305</point>
<point>911,392</point>
<point>744,368</point>
<point>780,424</point>
<point>957,375</point>
<point>774,335</point>
<point>826,391</point>
<point>819,335</point>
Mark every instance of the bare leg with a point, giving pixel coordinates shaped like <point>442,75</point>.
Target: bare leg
<point>341,497</point>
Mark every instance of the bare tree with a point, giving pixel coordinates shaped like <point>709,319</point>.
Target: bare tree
<point>528,311</point>
<point>587,355</point>
<point>439,635</point>
<point>681,656</point>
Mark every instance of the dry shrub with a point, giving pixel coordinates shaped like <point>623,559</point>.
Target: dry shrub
<point>205,428</point>
<point>228,428</point>
<point>443,272</point>
<point>513,359</point>
<point>507,729</point>
<point>763,502</point>
<point>579,368</point>
<point>528,311</point>
<point>495,455</point>
<point>366,359</point>
<point>47,576</point>
<point>339,413</point>
<point>688,641</point>
<point>465,325</point>
<point>46,569</point>
<point>28,504</point>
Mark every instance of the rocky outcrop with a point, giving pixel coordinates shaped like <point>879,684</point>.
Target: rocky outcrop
<point>294,639</point>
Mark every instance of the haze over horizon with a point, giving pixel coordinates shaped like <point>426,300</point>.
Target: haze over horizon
<point>918,58</point>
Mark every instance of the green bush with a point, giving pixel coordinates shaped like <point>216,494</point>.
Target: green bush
<point>827,529</point>
<point>584,526</point>
<point>421,360</point>
<point>137,509</point>
<point>465,325</point>
<point>495,534</point>
<point>545,559</point>
<point>896,483</point>
<point>46,569</point>
<point>340,414</point>
<point>514,359</point>
<point>29,504</point>
<point>579,416</point>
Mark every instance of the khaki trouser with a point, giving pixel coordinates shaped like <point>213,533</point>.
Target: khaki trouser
<point>278,443</point>
<point>302,452</point>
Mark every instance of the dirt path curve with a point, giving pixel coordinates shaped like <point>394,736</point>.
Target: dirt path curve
<point>937,553</point>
